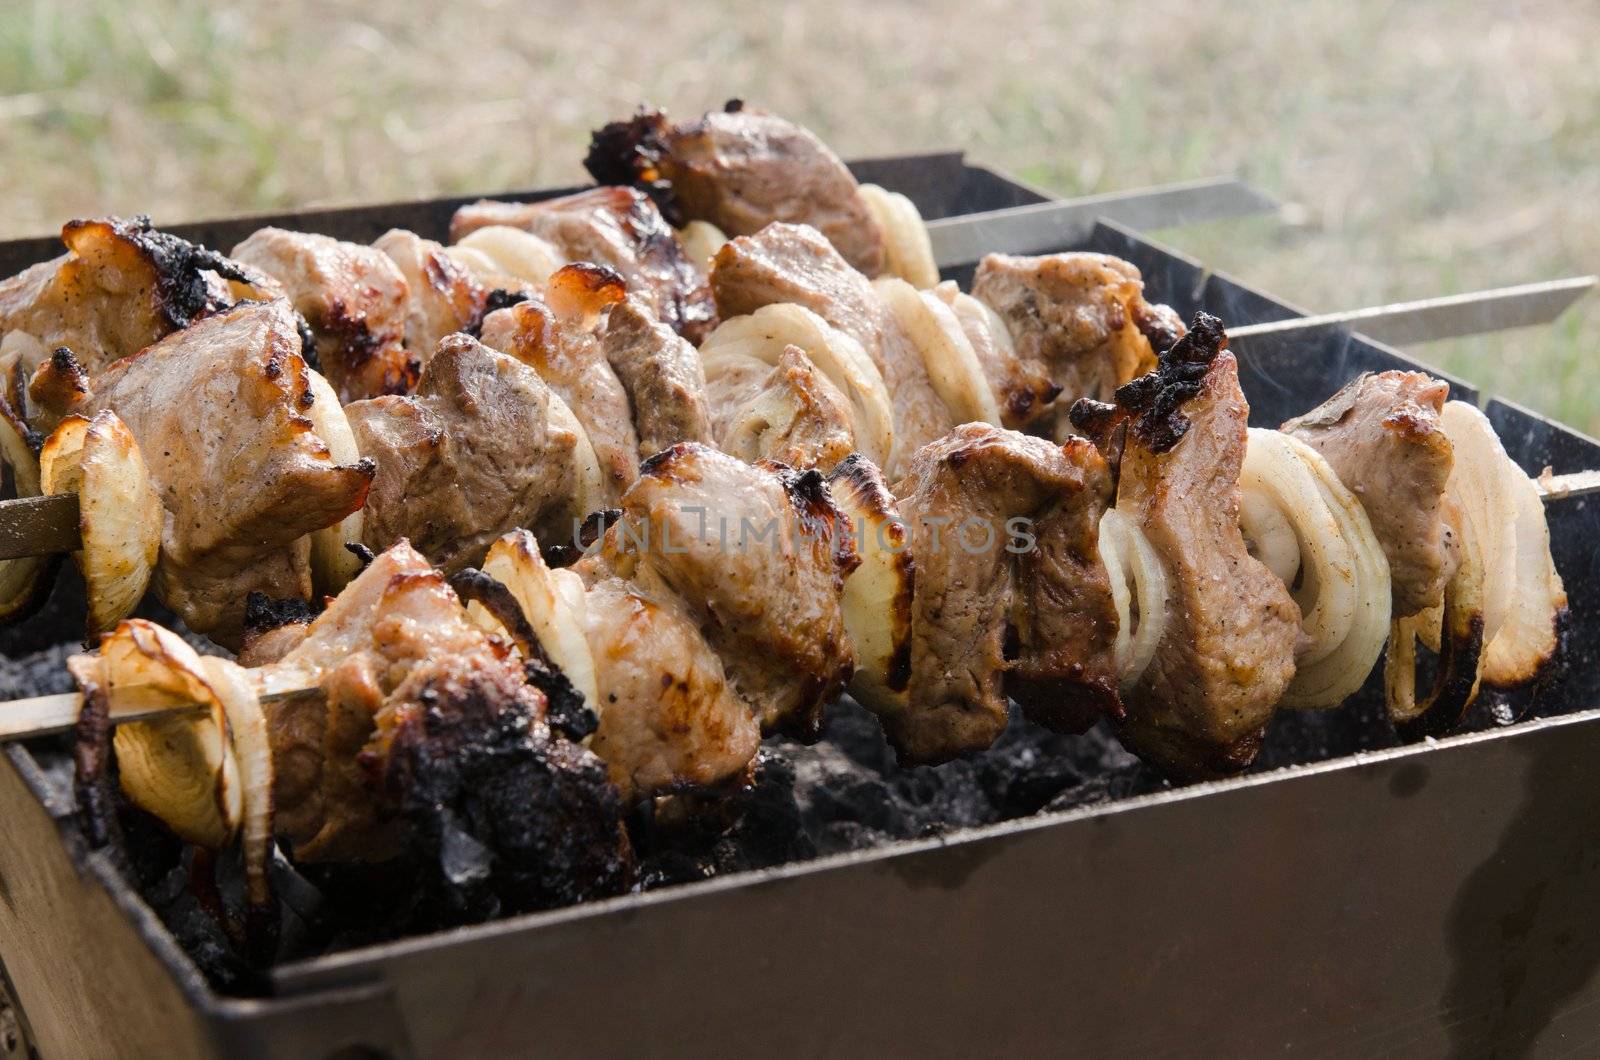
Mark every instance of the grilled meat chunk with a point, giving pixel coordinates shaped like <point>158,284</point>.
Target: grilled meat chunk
<point>793,263</point>
<point>1382,436</point>
<point>759,553</point>
<point>471,455</point>
<point>442,296</point>
<point>789,413</point>
<point>570,360</point>
<point>1081,317</point>
<point>740,169</point>
<point>1227,651</point>
<point>427,738</point>
<point>220,414</point>
<point>1022,388</point>
<point>619,228</point>
<point>356,300</point>
<point>121,286</point>
<point>1004,531</point>
<point>668,719</point>
<point>662,376</point>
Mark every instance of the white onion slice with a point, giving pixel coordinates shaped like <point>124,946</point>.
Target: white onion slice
<point>701,240</point>
<point>1140,567</point>
<point>1524,595</point>
<point>1335,677</point>
<point>252,750</point>
<point>1327,586</point>
<point>332,564</point>
<point>553,603</point>
<point>1269,535</point>
<point>947,356</point>
<point>1478,484</point>
<point>514,252</point>
<point>908,251</point>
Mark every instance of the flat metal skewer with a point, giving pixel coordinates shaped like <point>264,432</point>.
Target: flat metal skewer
<point>1449,316</point>
<point>1048,226</point>
<point>25,719</point>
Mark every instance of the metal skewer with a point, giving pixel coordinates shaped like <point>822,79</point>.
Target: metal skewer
<point>25,719</point>
<point>44,526</point>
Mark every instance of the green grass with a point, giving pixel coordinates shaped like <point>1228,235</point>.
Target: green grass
<point>1427,148</point>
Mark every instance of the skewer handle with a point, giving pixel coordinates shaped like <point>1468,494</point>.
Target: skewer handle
<point>25,719</point>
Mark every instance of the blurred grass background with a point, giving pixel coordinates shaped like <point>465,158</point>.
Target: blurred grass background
<point>1425,148</point>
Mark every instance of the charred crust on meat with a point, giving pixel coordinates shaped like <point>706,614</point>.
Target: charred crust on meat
<point>632,152</point>
<point>179,265</point>
<point>819,518</point>
<point>1161,327</point>
<point>497,299</point>
<point>308,342</point>
<point>733,106</point>
<point>360,551</point>
<point>504,815</point>
<point>664,465</point>
<point>1153,403</point>
<point>567,713</point>
<point>263,614</point>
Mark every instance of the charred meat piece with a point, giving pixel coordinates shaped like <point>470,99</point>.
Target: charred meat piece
<point>426,738</point>
<point>789,413</point>
<point>356,300</point>
<point>569,359</point>
<point>619,228</point>
<point>442,296</point>
<point>121,286</point>
<point>220,412</point>
<point>1382,436</point>
<point>471,455</point>
<point>787,263</point>
<point>1227,650</point>
<point>1003,528</point>
<point>740,169</point>
<point>1081,317</point>
<point>662,376</point>
<point>759,553</point>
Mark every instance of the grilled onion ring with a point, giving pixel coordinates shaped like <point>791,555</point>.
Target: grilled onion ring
<point>513,252</point>
<point>251,750</point>
<point>553,603</point>
<point>22,581</point>
<point>947,356</point>
<point>119,512</point>
<point>908,252</point>
<point>701,240</point>
<point>1133,564</point>
<point>878,593</point>
<point>767,332</point>
<point>333,563</point>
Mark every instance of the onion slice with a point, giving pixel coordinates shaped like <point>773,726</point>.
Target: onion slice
<point>701,240</point>
<point>332,564</point>
<point>180,770</point>
<point>907,249</point>
<point>767,332</point>
<point>1138,566</point>
<point>947,356</point>
<point>553,603</point>
<point>514,252</point>
<point>252,751</point>
<point>878,593</point>
<point>1327,590</point>
<point>24,580</point>
<point>1525,597</point>
<point>1335,677</point>
<point>119,512</point>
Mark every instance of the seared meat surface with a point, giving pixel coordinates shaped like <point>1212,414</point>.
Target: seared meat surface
<point>1022,388</point>
<point>661,374</point>
<point>1227,651</point>
<point>471,455</point>
<point>971,501</point>
<point>789,413</point>
<point>354,297</point>
<point>441,296</point>
<point>219,412</point>
<point>121,286</point>
<point>794,263</point>
<point>570,360</point>
<point>427,738</point>
<point>668,718</point>
<point>1081,317</point>
<point>740,169</point>
<point>1382,437</point>
<point>619,228</point>
<point>758,554</point>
